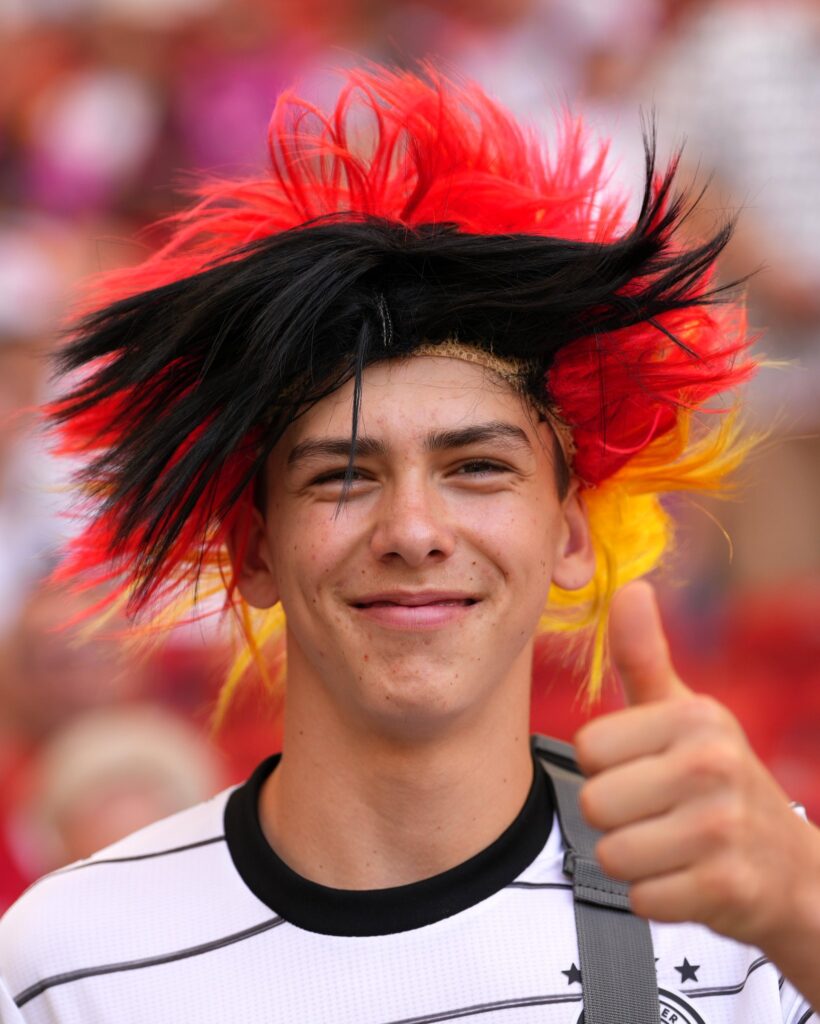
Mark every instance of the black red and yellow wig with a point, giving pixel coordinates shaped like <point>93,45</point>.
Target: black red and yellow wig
<point>416,212</point>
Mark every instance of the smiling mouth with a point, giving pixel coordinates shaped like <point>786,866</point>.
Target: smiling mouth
<point>415,612</point>
<point>442,603</point>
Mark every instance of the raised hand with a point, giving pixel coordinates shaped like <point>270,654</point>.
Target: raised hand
<point>691,817</point>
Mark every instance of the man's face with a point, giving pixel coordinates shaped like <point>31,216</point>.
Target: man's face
<point>417,597</point>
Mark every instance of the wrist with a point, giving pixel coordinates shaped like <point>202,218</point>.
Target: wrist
<point>795,930</point>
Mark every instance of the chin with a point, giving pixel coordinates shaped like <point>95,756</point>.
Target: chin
<point>414,701</point>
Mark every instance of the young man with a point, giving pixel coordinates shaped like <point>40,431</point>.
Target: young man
<point>418,396</point>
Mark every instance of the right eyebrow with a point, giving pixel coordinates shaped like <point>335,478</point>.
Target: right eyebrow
<point>335,448</point>
<point>507,435</point>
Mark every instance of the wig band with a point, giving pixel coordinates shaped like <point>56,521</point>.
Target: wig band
<point>515,372</point>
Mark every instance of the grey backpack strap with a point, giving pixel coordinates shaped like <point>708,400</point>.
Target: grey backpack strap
<point>617,966</point>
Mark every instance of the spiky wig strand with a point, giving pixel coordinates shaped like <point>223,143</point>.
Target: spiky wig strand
<point>452,221</point>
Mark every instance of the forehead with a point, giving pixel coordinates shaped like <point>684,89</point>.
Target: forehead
<point>406,398</point>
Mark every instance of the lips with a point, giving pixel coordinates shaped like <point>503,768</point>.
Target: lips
<point>415,611</point>
<point>414,600</point>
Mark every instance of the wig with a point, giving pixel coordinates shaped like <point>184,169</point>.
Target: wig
<point>415,213</point>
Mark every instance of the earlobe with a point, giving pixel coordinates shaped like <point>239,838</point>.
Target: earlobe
<point>251,560</point>
<point>575,557</point>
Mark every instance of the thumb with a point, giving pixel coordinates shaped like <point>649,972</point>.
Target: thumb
<point>638,646</point>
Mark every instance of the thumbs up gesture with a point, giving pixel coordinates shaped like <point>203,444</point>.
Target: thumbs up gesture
<point>691,818</point>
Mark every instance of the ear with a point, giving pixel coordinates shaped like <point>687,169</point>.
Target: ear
<point>250,555</point>
<point>575,558</point>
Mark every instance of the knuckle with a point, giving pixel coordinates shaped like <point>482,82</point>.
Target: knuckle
<point>723,826</point>
<point>712,884</point>
<point>725,884</point>
<point>713,762</point>
<point>700,711</point>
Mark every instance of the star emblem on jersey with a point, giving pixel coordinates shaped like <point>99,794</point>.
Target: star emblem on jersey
<point>687,971</point>
<point>573,975</point>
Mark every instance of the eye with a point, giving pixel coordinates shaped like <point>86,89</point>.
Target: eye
<point>336,476</point>
<point>481,467</point>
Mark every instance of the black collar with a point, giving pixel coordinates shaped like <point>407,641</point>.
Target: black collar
<point>318,908</point>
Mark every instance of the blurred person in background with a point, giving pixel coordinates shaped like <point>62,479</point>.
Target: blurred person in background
<point>82,142</point>
<point>50,671</point>
<point>109,772</point>
<point>740,82</point>
<point>530,54</point>
<point>228,69</point>
<point>39,258</point>
<point>53,676</point>
<point>48,675</point>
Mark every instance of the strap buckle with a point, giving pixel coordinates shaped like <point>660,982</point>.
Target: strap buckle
<point>592,885</point>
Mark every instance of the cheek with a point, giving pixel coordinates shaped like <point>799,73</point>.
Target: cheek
<point>519,538</point>
<point>310,545</point>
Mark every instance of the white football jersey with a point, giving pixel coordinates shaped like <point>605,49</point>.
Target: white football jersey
<point>195,919</point>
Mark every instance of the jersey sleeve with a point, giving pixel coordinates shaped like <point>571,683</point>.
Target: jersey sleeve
<point>9,1014</point>
<point>795,1008</point>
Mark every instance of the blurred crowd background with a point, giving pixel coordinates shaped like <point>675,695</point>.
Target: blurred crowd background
<point>108,106</point>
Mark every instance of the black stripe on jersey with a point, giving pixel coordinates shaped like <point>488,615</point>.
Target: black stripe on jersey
<point>478,1008</point>
<point>138,856</point>
<point>126,860</point>
<point>540,885</point>
<point>726,990</point>
<point>806,1016</point>
<point>152,961</point>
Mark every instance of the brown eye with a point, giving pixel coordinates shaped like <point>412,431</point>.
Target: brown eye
<point>337,476</point>
<point>481,467</point>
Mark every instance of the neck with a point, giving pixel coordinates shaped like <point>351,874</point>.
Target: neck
<point>352,808</point>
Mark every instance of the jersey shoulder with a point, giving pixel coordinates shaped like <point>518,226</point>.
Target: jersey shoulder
<point>117,902</point>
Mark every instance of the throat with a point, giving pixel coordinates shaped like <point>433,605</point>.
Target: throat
<point>377,826</point>
<point>336,889</point>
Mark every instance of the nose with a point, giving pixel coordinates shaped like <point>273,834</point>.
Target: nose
<point>412,525</point>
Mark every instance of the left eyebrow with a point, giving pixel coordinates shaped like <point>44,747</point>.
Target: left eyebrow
<point>335,448</point>
<point>496,431</point>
